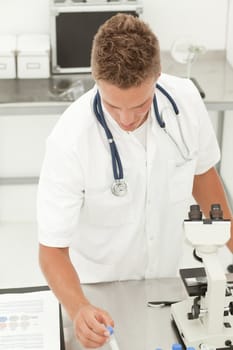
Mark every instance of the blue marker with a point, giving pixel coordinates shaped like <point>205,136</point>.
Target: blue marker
<point>112,340</point>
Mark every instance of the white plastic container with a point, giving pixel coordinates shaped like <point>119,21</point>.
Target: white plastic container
<point>33,56</point>
<point>7,56</point>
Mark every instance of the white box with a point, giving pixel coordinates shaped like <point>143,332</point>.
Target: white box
<point>33,56</point>
<point>230,34</point>
<point>7,56</point>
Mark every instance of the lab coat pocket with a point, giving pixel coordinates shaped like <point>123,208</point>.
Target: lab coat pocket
<point>181,180</point>
<point>106,210</point>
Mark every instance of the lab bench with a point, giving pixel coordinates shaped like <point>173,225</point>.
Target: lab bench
<point>25,96</point>
<point>137,326</point>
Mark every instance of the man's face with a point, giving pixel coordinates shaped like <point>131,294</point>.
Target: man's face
<point>128,107</point>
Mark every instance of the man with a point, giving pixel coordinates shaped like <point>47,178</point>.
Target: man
<point>90,233</point>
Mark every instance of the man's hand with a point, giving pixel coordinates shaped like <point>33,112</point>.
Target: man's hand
<point>90,326</point>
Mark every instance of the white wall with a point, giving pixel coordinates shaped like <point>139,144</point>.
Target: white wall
<point>204,20</point>
<point>24,16</point>
<point>229,45</point>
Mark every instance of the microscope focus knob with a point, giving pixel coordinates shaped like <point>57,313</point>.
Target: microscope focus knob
<point>231,307</point>
<point>195,309</point>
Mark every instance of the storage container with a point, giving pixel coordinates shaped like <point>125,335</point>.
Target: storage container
<point>7,56</point>
<point>33,56</point>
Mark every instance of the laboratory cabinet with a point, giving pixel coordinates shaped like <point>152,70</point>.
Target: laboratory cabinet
<point>23,134</point>
<point>22,147</point>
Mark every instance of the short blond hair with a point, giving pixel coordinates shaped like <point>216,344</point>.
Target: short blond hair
<point>125,52</point>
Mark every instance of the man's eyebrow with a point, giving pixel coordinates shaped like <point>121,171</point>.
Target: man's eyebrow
<point>138,106</point>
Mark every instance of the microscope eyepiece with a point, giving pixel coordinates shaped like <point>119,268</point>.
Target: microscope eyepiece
<point>216,212</point>
<point>195,213</point>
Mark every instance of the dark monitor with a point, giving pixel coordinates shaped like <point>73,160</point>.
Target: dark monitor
<point>73,36</point>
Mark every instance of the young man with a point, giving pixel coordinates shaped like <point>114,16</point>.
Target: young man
<point>114,187</point>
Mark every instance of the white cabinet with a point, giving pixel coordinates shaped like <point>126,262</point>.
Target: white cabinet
<point>22,147</point>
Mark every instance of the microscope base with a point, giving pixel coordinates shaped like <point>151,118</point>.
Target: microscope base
<point>194,334</point>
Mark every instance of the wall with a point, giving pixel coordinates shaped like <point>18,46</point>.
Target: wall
<point>24,16</point>
<point>229,46</point>
<point>178,18</point>
<point>169,19</point>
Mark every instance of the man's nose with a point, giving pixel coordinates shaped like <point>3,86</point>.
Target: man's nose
<point>126,117</point>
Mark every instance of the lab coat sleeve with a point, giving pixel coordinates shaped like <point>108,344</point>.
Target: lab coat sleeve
<point>60,195</point>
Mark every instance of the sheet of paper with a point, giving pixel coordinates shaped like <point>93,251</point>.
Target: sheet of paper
<point>29,321</point>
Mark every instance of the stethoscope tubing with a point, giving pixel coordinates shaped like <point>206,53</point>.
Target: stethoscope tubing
<point>116,161</point>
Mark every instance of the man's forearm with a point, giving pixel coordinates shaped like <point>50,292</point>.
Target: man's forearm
<point>62,278</point>
<point>208,189</point>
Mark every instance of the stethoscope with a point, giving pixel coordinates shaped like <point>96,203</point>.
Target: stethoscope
<point>119,186</point>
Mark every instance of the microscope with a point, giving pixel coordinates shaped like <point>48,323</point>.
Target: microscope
<point>205,319</point>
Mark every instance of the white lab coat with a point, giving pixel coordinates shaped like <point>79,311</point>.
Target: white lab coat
<point>139,235</point>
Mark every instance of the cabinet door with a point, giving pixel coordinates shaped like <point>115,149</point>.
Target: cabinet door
<point>22,148</point>
<point>22,143</point>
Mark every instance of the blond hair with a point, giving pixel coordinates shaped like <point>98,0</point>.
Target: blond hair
<point>125,52</point>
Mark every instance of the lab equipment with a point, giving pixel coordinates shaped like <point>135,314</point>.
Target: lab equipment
<point>185,51</point>
<point>119,186</point>
<point>161,303</point>
<point>69,20</point>
<point>66,90</point>
<point>112,341</point>
<point>204,319</point>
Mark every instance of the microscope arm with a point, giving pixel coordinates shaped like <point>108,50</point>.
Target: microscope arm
<point>215,295</point>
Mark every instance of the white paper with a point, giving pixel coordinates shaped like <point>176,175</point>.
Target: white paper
<point>29,321</point>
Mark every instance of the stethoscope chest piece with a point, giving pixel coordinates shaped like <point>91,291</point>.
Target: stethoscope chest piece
<point>119,188</point>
